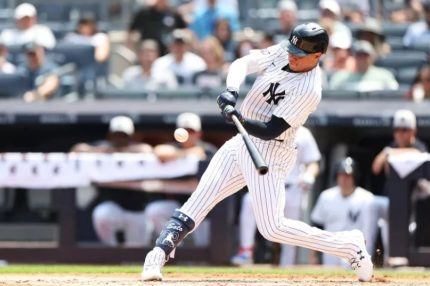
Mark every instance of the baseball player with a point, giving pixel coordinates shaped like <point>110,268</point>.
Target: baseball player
<point>286,91</point>
<point>346,207</point>
<point>297,185</point>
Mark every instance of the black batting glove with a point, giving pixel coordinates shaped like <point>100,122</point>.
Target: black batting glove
<point>228,113</point>
<point>227,97</point>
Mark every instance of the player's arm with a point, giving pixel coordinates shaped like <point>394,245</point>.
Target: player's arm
<point>239,69</point>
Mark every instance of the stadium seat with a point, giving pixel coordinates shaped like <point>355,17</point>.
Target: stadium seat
<point>83,57</point>
<point>16,85</point>
<point>406,75</point>
<point>397,60</point>
<point>384,94</point>
<point>116,93</point>
<point>340,94</point>
<point>396,43</point>
<point>390,29</point>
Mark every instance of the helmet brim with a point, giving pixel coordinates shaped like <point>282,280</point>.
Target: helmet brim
<point>295,51</point>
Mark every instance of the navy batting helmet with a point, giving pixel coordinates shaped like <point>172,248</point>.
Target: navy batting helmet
<point>347,166</point>
<point>307,39</point>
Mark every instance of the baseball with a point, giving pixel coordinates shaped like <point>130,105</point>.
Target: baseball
<point>181,135</point>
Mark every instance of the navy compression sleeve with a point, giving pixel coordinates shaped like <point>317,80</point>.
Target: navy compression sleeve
<point>266,130</point>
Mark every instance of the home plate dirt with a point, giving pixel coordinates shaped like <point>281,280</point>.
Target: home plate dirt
<point>70,279</point>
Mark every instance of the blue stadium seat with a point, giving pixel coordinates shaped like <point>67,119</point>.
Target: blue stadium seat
<point>390,29</point>
<point>385,94</point>
<point>396,43</point>
<point>117,93</point>
<point>406,75</point>
<point>13,85</point>
<point>83,57</point>
<point>397,60</point>
<point>340,94</point>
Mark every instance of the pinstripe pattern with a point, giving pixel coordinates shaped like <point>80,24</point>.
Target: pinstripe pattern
<point>232,167</point>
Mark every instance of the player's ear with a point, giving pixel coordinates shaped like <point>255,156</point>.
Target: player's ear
<point>317,55</point>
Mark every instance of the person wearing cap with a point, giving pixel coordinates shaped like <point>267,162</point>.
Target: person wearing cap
<point>143,76</point>
<point>154,22</point>
<point>286,91</point>
<point>330,17</point>
<point>118,139</point>
<point>5,66</point>
<point>405,140</point>
<point>419,33</point>
<point>87,33</point>
<point>287,19</point>
<point>42,81</point>
<point>192,145</point>
<point>183,63</point>
<point>27,29</point>
<point>366,76</point>
<point>339,56</point>
<point>344,207</point>
<point>371,31</point>
<point>203,23</point>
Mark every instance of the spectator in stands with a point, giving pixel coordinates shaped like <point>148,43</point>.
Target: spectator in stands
<point>287,19</point>
<point>371,31</point>
<point>345,207</point>
<point>353,13</point>
<point>339,56</point>
<point>366,76</point>
<point>247,40</point>
<point>205,20</point>
<point>5,66</point>
<point>405,140</point>
<point>27,29</point>
<point>213,54</point>
<point>42,80</point>
<point>119,139</point>
<point>421,87</point>
<point>225,36</point>
<point>87,33</point>
<point>142,75</point>
<point>180,60</point>
<point>330,17</point>
<point>155,22</point>
<point>419,33</point>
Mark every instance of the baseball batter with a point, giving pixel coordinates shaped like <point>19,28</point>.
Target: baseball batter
<point>286,91</point>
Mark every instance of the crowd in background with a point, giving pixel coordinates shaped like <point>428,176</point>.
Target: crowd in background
<point>192,43</point>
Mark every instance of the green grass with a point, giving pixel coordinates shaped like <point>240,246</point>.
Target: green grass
<point>200,270</point>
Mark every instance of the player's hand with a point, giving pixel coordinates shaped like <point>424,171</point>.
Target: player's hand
<point>227,97</point>
<point>228,113</point>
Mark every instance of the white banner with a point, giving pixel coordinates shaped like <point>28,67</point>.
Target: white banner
<point>67,170</point>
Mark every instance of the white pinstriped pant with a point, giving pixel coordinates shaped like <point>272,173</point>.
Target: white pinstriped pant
<point>231,169</point>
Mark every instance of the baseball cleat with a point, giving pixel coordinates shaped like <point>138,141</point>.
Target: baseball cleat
<point>362,262</point>
<point>242,258</point>
<point>154,262</point>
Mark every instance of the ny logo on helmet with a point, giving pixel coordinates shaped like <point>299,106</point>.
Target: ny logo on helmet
<point>294,40</point>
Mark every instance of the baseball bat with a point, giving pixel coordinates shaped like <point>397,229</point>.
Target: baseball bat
<point>256,157</point>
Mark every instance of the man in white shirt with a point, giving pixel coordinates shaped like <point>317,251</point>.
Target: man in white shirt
<point>180,61</point>
<point>345,207</point>
<point>419,33</point>
<point>27,29</point>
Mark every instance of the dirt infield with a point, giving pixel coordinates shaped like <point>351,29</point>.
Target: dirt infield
<point>174,279</point>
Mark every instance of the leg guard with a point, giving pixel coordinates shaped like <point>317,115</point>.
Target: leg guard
<point>177,228</point>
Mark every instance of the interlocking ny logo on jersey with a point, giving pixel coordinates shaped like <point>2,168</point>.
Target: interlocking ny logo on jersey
<point>353,216</point>
<point>273,96</point>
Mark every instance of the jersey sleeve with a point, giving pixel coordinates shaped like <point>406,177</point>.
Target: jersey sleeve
<point>318,213</point>
<point>311,153</point>
<point>299,102</point>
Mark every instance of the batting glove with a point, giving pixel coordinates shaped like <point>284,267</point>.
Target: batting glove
<point>227,97</point>
<point>228,113</point>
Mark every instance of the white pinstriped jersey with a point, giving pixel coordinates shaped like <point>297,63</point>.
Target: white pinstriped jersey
<point>291,96</point>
